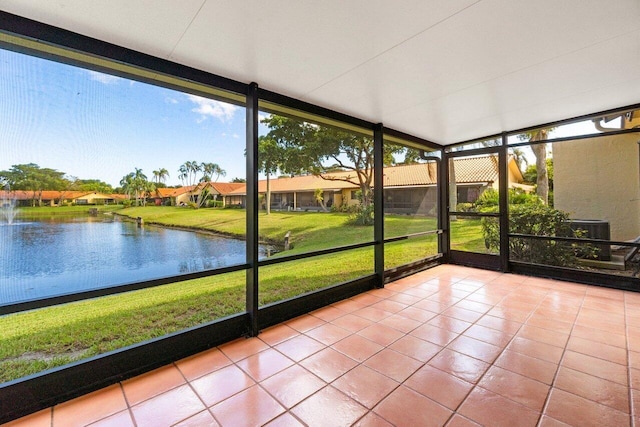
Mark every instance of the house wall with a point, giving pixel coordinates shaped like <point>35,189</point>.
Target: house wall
<point>599,178</point>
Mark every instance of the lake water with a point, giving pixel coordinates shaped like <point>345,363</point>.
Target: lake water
<point>57,256</point>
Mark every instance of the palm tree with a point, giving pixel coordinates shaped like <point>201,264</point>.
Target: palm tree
<point>160,175</point>
<point>269,161</point>
<point>210,169</point>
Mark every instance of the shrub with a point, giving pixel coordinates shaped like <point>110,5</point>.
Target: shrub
<point>214,203</point>
<point>465,207</point>
<point>537,219</point>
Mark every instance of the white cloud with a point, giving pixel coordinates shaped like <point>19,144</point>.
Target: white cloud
<point>262,116</point>
<point>106,79</point>
<point>209,107</point>
<point>170,100</point>
<point>236,136</point>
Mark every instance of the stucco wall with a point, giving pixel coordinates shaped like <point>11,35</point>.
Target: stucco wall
<point>599,178</point>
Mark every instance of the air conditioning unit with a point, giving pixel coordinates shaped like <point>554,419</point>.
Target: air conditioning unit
<point>595,229</point>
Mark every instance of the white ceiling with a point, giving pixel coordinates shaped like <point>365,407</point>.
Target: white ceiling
<point>446,71</point>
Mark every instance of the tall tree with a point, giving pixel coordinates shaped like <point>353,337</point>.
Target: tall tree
<point>540,151</point>
<point>321,151</point>
<point>31,177</point>
<point>209,170</point>
<point>160,176</point>
<point>270,159</point>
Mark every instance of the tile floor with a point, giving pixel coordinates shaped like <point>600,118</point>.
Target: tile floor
<point>449,346</point>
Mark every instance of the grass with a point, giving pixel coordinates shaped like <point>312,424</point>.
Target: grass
<point>40,339</point>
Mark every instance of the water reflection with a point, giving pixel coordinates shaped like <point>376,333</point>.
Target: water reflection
<point>56,256</point>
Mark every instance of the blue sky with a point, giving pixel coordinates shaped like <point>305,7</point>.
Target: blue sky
<point>95,126</point>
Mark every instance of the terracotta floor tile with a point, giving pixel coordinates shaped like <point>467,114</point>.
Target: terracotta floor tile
<point>599,350</point>
<point>459,421</point>
<point>424,412</point>
<point>404,298</point>
<point>417,314</point>
<point>383,293</point>
<point>534,333</point>
<point>536,349</point>
<point>596,367</point>
<point>252,407</point>
<point>593,388</point>
<point>491,409</point>
<point>461,313</point>
<point>277,334</point>
<point>546,323</point>
<point>357,347</point>
<point>518,388</point>
<point>328,334</point>
<point>329,364</point>
<point>537,369</point>
<point>488,335</point>
<point>400,323</point>
<point>285,420</point>
<point>383,335</point>
<point>504,325</point>
<point>460,365</point>
<point>292,385</point>
<point>365,386</point>
<point>344,411</point>
<point>38,419</point>
<point>328,313</point>
<point>511,314</point>
<point>349,305</point>
<point>478,307</point>
<point>449,323</point>
<point>578,411</point>
<point>91,407</point>
<point>152,383</point>
<point>372,420</point>
<point>202,419</point>
<point>474,348</point>
<point>352,323</point>
<point>393,364</point>
<point>416,348</point>
<point>390,306</point>
<point>366,299</point>
<point>305,323</point>
<point>634,377</point>
<point>221,384</point>
<point>243,347</point>
<point>121,419</point>
<point>420,293</point>
<point>264,364</point>
<point>202,363</point>
<point>433,334</point>
<point>431,306</point>
<point>299,347</point>
<point>373,314</point>
<point>439,386</point>
<point>168,408</point>
<point>547,421</point>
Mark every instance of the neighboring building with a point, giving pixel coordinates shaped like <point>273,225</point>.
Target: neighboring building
<point>409,189</point>
<point>185,195</point>
<point>58,198</point>
<point>599,179</point>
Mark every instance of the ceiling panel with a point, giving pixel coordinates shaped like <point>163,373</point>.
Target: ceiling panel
<point>445,71</point>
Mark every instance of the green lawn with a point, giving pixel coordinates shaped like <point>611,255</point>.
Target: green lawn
<point>40,339</point>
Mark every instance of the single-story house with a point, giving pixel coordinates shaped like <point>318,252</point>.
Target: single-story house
<point>185,195</point>
<point>407,188</point>
<point>56,198</point>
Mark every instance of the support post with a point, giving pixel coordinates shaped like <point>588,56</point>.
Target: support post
<point>444,241</point>
<point>378,203</point>
<point>503,193</point>
<point>252,208</point>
